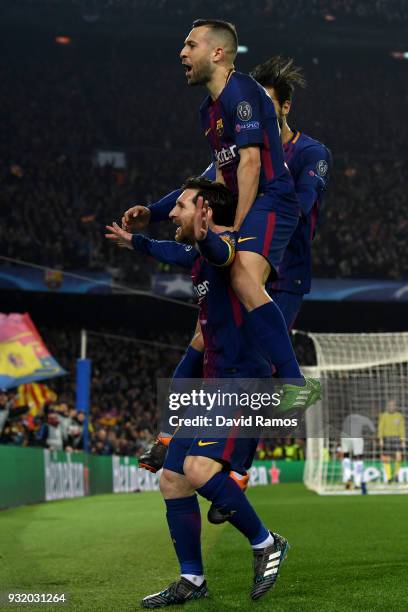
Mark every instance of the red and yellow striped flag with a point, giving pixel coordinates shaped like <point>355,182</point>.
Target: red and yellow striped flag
<point>34,395</point>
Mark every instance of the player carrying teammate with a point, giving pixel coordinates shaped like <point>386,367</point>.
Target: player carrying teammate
<point>309,162</point>
<point>201,463</point>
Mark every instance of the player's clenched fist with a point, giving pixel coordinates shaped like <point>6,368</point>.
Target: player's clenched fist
<point>122,238</point>
<point>136,218</point>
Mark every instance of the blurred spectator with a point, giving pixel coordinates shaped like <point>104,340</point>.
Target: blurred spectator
<point>101,443</point>
<point>4,410</point>
<point>49,434</point>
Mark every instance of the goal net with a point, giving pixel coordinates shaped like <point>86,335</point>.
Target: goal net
<point>355,433</point>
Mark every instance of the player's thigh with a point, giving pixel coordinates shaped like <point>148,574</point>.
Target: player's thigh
<point>229,453</point>
<point>176,453</point>
<point>251,266</point>
<point>200,469</point>
<point>266,232</point>
<point>249,274</point>
<point>289,305</point>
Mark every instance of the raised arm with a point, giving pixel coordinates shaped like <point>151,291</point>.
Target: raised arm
<point>166,251</point>
<point>139,216</point>
<point>218,249</point>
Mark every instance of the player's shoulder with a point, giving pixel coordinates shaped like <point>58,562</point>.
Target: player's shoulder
<point>244,82</point>
<point>307,143</point>
<point>312,151</point>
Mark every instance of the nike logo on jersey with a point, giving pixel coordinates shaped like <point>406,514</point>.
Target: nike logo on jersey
<point>201,443</point>
<point>245,239</point>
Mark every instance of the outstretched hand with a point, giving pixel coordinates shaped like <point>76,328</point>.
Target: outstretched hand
<point>201,219</point>
<point>136,218</point>
<point>122,238</point>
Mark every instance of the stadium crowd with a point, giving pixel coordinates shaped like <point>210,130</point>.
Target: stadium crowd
<point>51,186</point>
<point>388,10</point>
<point>123,413</point>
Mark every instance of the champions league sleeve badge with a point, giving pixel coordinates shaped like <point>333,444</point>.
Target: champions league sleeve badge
<point>322,167</point>
<point>244,111</point>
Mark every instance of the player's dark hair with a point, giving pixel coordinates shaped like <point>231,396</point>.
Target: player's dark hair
<point>280,73</point>
<point>218,25</point>
<point>220,199</point>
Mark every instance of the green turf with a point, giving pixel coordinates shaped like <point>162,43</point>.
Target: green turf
<point>107,552</point>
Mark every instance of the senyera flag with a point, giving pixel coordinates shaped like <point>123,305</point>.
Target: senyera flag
<point>24,358</point>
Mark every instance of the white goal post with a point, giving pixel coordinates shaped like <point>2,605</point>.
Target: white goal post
<point>362,375</point>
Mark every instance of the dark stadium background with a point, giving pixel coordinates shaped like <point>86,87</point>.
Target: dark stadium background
<point>118,85</point>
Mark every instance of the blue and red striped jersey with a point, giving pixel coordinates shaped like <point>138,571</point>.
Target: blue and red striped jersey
<point>243,115</point>
<point>309,162</point>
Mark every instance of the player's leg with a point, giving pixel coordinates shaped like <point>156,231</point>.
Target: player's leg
<point>216,515</point>
<point>358,463</point>
<point>262,240</point>
<point>289,304</point>
<point>184,521</point>
<point>397,464</point>
<point>386,460</point>
<point>346,462</point>
<point>206,474</point>
<point>190,366</point>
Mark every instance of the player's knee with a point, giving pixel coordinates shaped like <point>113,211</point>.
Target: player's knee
<point>171,484</point>
<point>199,470</point>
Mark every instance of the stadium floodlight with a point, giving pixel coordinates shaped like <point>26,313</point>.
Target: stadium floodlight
<point>242,49</point>
<point>361,375</point>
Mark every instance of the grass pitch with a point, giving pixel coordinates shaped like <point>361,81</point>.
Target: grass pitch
<point>107,552</point>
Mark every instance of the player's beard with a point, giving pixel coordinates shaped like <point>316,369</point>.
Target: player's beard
<point>184,235</point>
<point>201,73</point>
